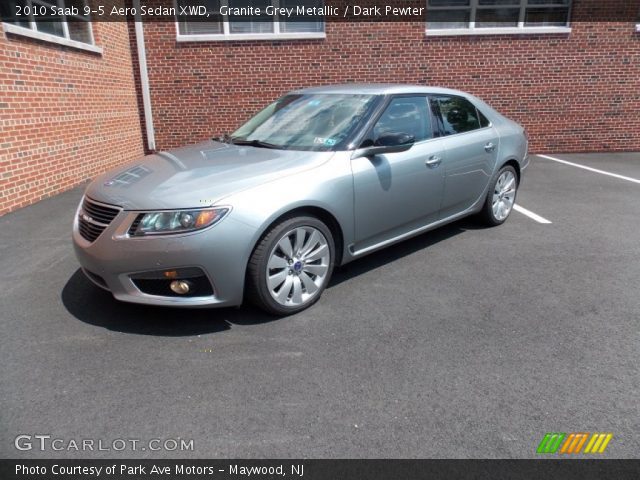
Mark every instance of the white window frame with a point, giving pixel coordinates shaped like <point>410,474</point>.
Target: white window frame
<point>32,30</point>
<point>226,34</point>
<point>520,29</point>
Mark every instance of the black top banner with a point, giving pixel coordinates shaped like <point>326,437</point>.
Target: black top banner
<point>318,469</point>
<point>453,12</point>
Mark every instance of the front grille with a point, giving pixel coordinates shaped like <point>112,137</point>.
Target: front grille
<point>94,217</point>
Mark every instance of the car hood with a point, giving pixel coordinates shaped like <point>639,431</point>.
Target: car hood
<point>197,175</point>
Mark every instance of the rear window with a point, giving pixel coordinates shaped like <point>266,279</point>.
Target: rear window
<point>458,115</point>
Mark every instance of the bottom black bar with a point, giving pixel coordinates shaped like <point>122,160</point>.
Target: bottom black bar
<point>318,469</point>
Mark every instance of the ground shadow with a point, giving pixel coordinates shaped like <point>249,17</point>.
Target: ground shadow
<point>95,306</point>
<point>402,249</point>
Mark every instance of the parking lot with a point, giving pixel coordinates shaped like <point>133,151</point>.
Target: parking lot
<point>464,342</point>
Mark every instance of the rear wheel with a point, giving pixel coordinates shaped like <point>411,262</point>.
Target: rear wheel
<point>291,266</point>
<point>501,197</point>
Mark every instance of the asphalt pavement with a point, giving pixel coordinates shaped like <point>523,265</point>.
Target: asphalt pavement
<point>465,342</point>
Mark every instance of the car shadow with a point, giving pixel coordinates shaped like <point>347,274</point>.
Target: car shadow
<point>95,306</point>
<point>407,247</point>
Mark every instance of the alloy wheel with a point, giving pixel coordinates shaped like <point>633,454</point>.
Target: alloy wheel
<point>298,266</point>
<point>504,195</point>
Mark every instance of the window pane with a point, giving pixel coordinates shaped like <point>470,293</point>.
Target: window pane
<point>303,23</point>
<point>546,17</point>
<point>79,31</point>
<point>458,114</point>
<point>405,115</point>
<point>291,25</point>
<point>197,25</point>
<point>8,10</point>
<point>52,27</point>
<point>497,17</point>
<point>448,3</point>
<point>51,24</point>
<point>499,2</point>
<point>79,4</point>
<point>445,19</point>
<point>248,23</point>
<point>548,2</point>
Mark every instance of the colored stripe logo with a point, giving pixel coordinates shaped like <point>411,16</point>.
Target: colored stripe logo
<point>573,443</point>
<point>551,442</point>
<point>598,443</point>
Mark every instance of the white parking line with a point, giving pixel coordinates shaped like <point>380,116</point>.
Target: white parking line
<point>595,170</point>
<point>530,214</point>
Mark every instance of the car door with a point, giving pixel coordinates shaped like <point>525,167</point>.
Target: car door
<point>398,192</point>
<point>470,151</point>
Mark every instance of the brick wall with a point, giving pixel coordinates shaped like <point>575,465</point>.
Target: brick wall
<point>65,115</point>
<point>575,92</point>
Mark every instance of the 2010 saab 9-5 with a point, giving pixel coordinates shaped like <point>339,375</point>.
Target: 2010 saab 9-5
<point>317,179</point>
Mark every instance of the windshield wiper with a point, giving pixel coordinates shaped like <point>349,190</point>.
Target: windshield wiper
<point>253,143</point>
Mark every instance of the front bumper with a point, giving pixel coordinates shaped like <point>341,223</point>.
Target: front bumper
<point>220,251</point>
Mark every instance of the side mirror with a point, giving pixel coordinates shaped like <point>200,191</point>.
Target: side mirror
<point>392,142</point>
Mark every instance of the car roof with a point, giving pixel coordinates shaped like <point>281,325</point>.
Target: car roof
<point>376,89</point>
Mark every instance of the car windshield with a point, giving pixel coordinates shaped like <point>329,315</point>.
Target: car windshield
<point>318,122</point>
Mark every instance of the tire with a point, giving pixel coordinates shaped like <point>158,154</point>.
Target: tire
<point>501,197</point>
<point>291,266</point>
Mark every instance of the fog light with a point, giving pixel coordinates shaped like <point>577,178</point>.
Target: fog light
<point>180,287</point>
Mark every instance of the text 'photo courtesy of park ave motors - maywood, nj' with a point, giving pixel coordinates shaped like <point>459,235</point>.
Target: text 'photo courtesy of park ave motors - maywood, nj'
<point>294,470</point>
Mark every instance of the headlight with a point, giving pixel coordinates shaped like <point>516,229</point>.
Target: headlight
<point>177,221</point>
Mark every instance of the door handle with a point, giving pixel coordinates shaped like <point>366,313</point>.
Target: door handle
<point>489,147</point>
<point>433,161</point>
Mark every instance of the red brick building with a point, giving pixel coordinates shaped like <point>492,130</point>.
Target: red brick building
<point>83,97</point>
<point>66,114</point>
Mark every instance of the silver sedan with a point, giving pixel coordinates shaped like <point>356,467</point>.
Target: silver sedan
<point>317,179</point>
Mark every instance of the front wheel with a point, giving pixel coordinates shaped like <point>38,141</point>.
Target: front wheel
<point>501,197</point>
<point>291,266</point>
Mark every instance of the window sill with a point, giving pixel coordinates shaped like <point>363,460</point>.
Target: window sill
<point>498,31</point>
<point>27,32</point>
<point>250,36</point>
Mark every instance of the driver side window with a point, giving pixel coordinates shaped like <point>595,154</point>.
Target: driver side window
<point>408,115</point>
